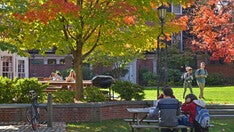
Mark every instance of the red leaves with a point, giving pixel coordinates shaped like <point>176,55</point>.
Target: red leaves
<point>49,11</point>
<point>122,9</point>
<point>213,31</point>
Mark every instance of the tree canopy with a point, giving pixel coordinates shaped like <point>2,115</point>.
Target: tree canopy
<point>213,29</point>
<point>82,27</point>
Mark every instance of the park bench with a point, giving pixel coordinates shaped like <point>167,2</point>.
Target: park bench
<point>139,127</point>
<point>216,111</point>
<point>148,121</point>
<point>144,126</point>
<point>221,111</point>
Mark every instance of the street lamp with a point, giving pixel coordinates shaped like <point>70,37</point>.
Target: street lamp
<point>162,11</point>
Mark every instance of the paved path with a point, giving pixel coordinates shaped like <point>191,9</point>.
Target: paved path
<point>26,127</point>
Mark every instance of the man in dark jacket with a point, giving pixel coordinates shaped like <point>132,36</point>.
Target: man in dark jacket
<point>168,109</point>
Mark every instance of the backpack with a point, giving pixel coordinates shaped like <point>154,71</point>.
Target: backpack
<point>202,117</point>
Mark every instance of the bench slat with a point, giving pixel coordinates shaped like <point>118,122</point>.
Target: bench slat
<point>145,120</point>
<point>160,127</point>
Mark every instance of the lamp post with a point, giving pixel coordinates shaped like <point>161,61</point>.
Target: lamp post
<point>162,10</point>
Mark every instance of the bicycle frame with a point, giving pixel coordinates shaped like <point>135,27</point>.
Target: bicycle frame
<point>32,114</point>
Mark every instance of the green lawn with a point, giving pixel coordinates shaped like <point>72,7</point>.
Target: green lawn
<point>213,95</point>
<point>220,125</point>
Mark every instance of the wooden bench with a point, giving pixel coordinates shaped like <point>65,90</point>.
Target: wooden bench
<point>221,111</point>
<point>130,121</point>
<point>143,126</point>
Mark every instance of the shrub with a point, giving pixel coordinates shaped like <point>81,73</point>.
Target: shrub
<point>7,91</point>
<point>23,86</point>
<point>147,78</point>
<point>215,79</point>
<point>63,96</point>
<point>128,90</point>
<point>16,91</point>
<point>93,94</point>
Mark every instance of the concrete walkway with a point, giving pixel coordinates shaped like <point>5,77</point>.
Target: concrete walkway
<point>26,127</point>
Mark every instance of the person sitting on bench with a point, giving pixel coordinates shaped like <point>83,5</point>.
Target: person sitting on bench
<point>167,109</point>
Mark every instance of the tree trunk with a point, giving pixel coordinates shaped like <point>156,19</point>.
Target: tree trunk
<point>77,54</point>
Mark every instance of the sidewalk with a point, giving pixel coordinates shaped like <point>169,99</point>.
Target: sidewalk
<point>26,127</point>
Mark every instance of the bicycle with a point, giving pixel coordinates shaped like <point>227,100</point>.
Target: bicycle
<point>32,113</point>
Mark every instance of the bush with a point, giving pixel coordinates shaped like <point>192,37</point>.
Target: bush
<point>16,91</point>
<point>215,79</point>
<point>147,78</point>
<point>93,94</point>
<point>23,86</point>
<point>7,91</point>
<point>63,96</point>
<point>128,90</point>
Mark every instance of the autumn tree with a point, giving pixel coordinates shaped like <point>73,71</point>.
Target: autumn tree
<point>213,28</point>
<point>82,27</point>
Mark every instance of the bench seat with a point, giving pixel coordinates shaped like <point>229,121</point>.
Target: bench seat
<point>142,126</point>
<point>139,127</point>
<point>144,120</point>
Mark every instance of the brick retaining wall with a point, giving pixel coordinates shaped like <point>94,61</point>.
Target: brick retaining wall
<point>81,112</point>
<point>84,112</point>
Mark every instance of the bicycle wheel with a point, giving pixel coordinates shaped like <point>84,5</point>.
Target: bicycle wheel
<point>28,114</point>
<point>35,123</point>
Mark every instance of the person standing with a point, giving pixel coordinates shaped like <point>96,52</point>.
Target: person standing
<point>201,75</point>
<point>188,78</point>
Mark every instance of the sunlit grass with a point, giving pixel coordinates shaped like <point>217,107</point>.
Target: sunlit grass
<point>213,95</point>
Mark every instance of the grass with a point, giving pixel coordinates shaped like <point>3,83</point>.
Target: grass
<point>213,95</point>
<point>220,125</point>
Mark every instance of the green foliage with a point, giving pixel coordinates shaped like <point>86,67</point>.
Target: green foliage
<point>128,90</point>
<point>215,79</point>
<point>23,86</point>
<point>174,77</point>
<point>93,94</point>
<point>87,73</point>
<point>6,88</point>
<point>151,78</point>
<point>63,96</point>
<point>147,78</point>
<point>16,91</point>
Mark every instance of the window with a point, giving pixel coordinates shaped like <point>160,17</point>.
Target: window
<point>62,61</point>
<point>7,67</point>
<point>177,9</point>
<point>37,61</point>
<point>51,61</point>
<point>21,69</point>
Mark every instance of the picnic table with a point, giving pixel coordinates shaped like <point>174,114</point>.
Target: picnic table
<point>65,85</point>
<point>136,112</point>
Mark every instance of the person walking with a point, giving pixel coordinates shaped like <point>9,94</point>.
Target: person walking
<point>201,75</point>
<point>188,78</point>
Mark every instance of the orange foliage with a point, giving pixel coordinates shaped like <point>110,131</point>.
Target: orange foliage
<point>121,9</point>
<point>182,22</point>
<point>214,31</point>
<point>130,19</point>
<point>49,11</point>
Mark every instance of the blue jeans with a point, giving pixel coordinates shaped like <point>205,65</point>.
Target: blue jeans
<point>184,121</point>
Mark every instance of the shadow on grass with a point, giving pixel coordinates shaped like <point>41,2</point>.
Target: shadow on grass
<point>220,125</point>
